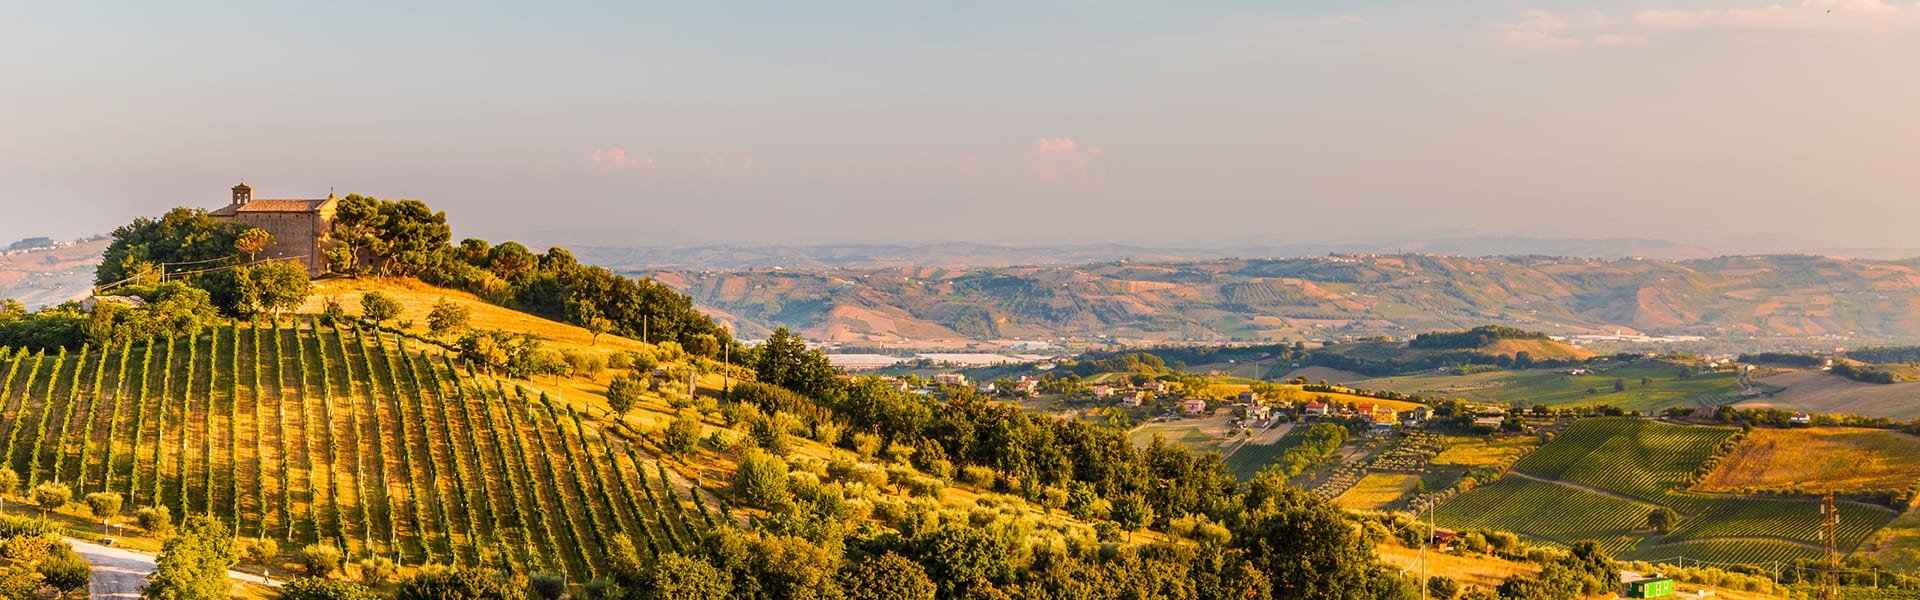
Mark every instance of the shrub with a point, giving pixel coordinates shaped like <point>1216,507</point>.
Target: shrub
<point>448,318</point>
<point>154,519</point>
<point>547,586</point>
<point>886,577</point>
<point>377,570</point>
<point>321,559</point>
<point>51,496</point>
<point>105,505</point>
<point>681,435</point>
<point>977,476</point>
<point>65,570</point>
<point>761,480</point>
<point>378,307</point>
<point>315,588</point>
<point>443,583</point>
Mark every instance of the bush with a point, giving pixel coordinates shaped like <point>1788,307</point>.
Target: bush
<point>681,435</point>
<point>547,586</point>
<point>65,570</point>
<point>448,318</point>
<point>761,480</point>
<point>924,487</point>
<point>377,570</point>
<point>447,584</point>
<point>886,577</point>
<point>51,496</point>
<point>315,588</point>
<point>154,519</point>
<point>624,392</point>
<point>321,559</point>
<point>977,476</point>
<point>378,307</point>
<point>105,505</point>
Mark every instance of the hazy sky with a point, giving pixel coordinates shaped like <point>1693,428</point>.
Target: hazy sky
<point>1032,121</point>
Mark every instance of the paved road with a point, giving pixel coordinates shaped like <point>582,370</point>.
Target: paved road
<point>117,572</point>
<point>120,573</point>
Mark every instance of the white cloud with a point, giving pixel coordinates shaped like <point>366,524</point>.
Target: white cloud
<point>1063,159</point>
<point>1539,29</point>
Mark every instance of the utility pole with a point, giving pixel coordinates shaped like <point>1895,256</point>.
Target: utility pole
<point>1829,528</point>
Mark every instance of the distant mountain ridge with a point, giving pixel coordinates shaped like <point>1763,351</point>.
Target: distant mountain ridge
<point>1332,297</point>
<point>972,254</point>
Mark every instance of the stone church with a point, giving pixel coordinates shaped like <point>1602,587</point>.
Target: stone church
<point>299,227</point>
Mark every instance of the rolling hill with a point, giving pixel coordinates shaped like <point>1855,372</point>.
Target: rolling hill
<point>382,443</point>
<point>1769,298</point>
<point>1599,479</point>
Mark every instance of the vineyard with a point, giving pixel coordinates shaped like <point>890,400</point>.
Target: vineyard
<point>370,441</point>
<point>1642,459</point>
<point>1600,478</point>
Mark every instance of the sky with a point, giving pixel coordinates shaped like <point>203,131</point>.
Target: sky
<point>1024,122</point>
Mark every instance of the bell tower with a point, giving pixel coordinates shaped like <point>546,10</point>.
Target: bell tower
<point>242,193</point>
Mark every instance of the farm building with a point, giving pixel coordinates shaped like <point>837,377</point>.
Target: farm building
<point>1194,406</point>
<point>1647,587</point>
<point>949,379</point>
<point>1318,409</point>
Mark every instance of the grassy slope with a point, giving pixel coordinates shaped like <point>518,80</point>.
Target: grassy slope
<point>1820,392</point>
<point>1557,388</point>
<point>1482,451</point>
<point>1818,460</point>
<point>407,491</point>
<point>1377,491</point>
<point>1598,479</point>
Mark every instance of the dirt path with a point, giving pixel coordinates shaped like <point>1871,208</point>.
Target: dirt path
<point>1584,488</point>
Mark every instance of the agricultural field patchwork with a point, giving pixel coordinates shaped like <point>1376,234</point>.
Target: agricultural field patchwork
<point>1819,460</point>
<point>1378,491</point>
<point>1600,478</point>
<point>1649,387</point>
<point>1485,451</point>
<point>366,440</point>
<point>1642,459</point>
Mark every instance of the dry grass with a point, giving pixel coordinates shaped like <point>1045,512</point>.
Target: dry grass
<point>1483,571</point>
<point>1816,391</point>
<point>417,299</point>
<point>1477,451</point>
<point>1898,544</point>
<point>1818,460</point>
<point>1377,491</point>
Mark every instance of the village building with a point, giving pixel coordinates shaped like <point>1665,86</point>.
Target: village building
<point>1259,412</point>
<point>301,228</point>
<point>949,379</point>
<point>1102,391</point>
<point>1027,386</point>
<point>1318,409</point>
<point>1194,406</point>
<point>1133,400</point>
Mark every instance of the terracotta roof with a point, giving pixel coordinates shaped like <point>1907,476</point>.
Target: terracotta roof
<point>270,206</point>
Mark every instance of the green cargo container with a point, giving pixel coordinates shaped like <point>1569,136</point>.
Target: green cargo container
<point>1658,587</point>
